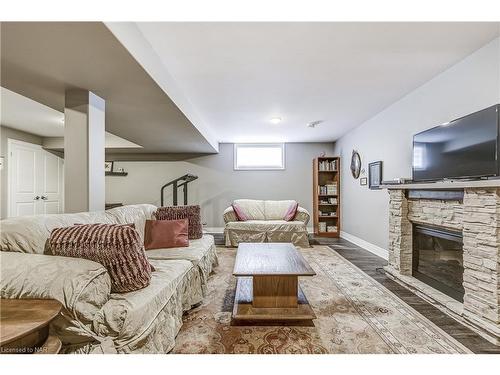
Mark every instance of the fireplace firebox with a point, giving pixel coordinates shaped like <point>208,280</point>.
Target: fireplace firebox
<point>438,259</point>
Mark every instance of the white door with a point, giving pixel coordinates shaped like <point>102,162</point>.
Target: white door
<point>35,180</point>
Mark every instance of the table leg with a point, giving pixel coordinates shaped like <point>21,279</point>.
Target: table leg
<point>275,291</point>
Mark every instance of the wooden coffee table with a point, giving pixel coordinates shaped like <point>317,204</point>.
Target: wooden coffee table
<point>24,326</point>
<point>268,287</point>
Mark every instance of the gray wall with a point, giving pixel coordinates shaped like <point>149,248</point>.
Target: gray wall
<point>468,86</point>
<point>218,184</point>
<point>5,134</point>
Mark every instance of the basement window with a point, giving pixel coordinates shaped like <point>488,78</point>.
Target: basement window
<point>259,156</point>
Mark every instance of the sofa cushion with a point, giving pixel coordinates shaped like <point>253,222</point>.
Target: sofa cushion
<point>192,213</point>
<point>28,234</point>
<point>196,250</point>
<point>136,213</point>
<point>81,285</point>
<point>266,231</point>
<point>128,315</point>
<point>252,209</point>
<point>266,225</point>
<point>276,210</point>
<point>118,248</point>
<point>164,234</point>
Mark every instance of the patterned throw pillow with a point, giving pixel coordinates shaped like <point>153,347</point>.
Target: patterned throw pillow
<point>117,247</point>
<point>192,213</point>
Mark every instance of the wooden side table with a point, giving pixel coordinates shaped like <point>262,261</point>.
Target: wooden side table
<point>24,326</point>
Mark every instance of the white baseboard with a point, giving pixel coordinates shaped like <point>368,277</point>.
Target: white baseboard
<point>213,229</point>
<point>377,250</point>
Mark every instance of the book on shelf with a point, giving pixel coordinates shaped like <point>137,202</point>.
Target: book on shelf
<point>322,226</point>
<point>327,213</point>
<point>327,228</point>
<point>327,165</point>
<point>331,200</point>
<point>329,189</point>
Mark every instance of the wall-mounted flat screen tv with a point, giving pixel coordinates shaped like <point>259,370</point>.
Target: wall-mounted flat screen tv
<point>463,148</point>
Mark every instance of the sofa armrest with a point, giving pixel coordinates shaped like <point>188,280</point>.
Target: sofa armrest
<point>302,215</point>
<point>229,215</point>
<point>82,286</point>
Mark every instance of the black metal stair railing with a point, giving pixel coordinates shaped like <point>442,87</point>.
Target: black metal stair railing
<point>176,184</point>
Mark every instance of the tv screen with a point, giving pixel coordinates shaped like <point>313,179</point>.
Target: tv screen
<point>463,148</point>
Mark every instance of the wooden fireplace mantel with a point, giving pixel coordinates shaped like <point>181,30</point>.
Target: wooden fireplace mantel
<point>447,185</point>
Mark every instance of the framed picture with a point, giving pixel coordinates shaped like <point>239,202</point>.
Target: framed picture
<point>363,181</point>
<point>374,175</point>
<point>108,166</point>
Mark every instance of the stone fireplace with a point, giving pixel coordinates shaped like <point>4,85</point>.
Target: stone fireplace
<point>444,242</point>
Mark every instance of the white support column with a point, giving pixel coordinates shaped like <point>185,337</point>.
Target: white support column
<point>84,135</point>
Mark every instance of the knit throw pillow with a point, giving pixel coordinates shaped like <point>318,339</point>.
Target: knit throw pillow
<point>192,213</point>
<point>117,247</point>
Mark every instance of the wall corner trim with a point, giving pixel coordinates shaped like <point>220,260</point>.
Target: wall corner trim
<point>379,251</point>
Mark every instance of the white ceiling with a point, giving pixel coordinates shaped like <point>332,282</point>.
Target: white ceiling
<point>21,113</point>
<point>43,60</point>
<point>239,75</point>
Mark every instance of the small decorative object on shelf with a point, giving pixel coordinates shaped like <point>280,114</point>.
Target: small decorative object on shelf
<point>109,170</point>
<point>108,166</point>
<point>326,196</point>
<point>363,181</point>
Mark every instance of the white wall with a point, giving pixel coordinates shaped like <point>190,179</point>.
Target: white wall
<point>468,86</point>
<point>218,184</point>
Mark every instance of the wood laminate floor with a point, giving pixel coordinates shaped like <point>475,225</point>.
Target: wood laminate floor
<point>372,265</point>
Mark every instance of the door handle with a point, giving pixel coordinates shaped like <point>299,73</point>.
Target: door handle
<point>44,197</point>
<point>36,198</point>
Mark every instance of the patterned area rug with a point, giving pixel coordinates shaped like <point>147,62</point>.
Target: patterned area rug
<point>355,315</point>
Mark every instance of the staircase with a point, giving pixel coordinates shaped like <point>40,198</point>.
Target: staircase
<point>176,184</point>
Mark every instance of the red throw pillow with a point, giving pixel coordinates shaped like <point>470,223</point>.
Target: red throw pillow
<point>291,212</point>
<point>192,213</point>
<point>239,212</point>
<point>117,247</point>
<point>164,234</point>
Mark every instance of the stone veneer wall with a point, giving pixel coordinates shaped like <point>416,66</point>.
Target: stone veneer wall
<point>481,233</point>
<point>400,233</point>
<point>446,214</point>
<point>478,217</point>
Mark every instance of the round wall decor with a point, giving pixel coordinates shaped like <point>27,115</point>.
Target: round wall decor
<point>355,164</point>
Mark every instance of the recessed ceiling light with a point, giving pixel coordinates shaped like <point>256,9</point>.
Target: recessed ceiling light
<point>275,120</point>
<point>313,124</point>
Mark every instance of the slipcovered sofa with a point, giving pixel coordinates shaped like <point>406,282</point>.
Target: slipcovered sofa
<point>265,223</point>
<point>94,319</point>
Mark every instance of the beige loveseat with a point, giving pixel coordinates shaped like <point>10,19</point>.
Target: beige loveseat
<point>265,223</point>
<point>93,318</point>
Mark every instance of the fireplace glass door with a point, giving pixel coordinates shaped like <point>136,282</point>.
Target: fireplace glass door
<point>438,259</point>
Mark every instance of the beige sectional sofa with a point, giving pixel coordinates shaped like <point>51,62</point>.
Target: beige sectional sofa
<point>94,319</point>
<point>265,223</point>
